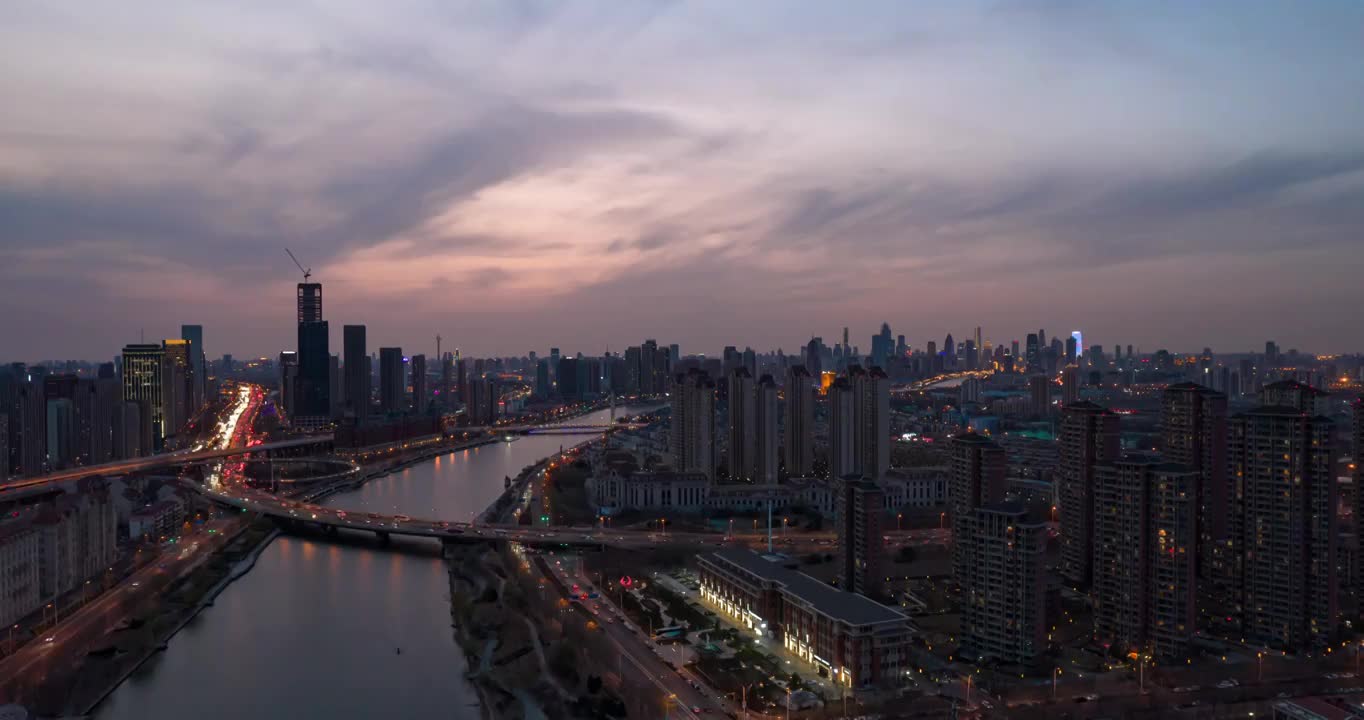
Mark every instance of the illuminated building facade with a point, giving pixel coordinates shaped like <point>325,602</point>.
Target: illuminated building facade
<point>844,636</point>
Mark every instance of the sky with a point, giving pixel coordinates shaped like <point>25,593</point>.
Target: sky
<point>514,175</point>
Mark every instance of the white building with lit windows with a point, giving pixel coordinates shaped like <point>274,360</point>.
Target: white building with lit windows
<point>843,636</point>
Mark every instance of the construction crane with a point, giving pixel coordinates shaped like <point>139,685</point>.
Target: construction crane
<point>307,272</point>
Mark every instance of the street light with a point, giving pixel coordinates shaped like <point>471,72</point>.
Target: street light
<point>1259,667</point>
<point>898,518</point>
<point>1054,673</point>
<point>942,520</point>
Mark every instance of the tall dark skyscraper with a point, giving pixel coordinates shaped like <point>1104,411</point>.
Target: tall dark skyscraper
<point>650,383</point>
<point>194,334</point>
<point>355,367</point>
<point>765,446</point>
<point>742,437</point>
<point>312,398</point>
<point>392,381</point>
<point>861,567</point>
<point>1193,430</point>
<point>1281,455</point>
<point>799,423</point>
<point>692,436</point>
<point>1088,438</point>
<point>1145,540</point>
<point>979,468</point>
<point>419,390</point>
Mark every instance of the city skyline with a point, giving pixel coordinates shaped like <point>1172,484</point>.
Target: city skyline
<point>524,172</point>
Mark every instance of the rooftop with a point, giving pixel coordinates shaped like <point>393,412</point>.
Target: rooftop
<point>850,608</point>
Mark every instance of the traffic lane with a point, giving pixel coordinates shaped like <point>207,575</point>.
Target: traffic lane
<point>636,648</point>
<point>74,636</point>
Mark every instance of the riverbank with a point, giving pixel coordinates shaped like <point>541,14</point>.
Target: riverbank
<point>520,661</point>
<point>147,628</point>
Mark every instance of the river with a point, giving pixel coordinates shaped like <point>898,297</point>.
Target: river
<point>314,628</point>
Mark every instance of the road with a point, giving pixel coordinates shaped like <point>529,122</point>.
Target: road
<point>634,646</point>
<point>65,645</point>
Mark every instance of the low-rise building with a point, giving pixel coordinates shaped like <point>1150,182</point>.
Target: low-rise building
<point>844,636</point>
<point>20,560</point>
<point>159,520</point>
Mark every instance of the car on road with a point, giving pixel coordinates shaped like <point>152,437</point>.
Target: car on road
<point>1230,683</point>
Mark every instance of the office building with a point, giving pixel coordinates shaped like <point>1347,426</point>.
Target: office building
<point>194,335</point>
<point>977,478</point>
<point>853,640</point>
<point>336,387</point>
<point>1281,455</point>
<point>392,381</point>
<point>142,381</point>
<point>177,385</point>
<point>765,463</point>
<point>4,447</point>
<point>742,435</point>
<point>692,437</point>
<point>799,422</point>
<point>312,396</point>
<point>288,380</point>
<point>1004,597</point>
<point>1145,548</point>
<point>861,567</point>
<point>1088,438</point>
<point>419,391</point>
<point>1193,432</point>
<point>355,364</point>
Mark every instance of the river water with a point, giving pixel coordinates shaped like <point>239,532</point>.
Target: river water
<point>313,630</point>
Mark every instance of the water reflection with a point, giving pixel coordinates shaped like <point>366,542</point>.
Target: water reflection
<point>306,636</point>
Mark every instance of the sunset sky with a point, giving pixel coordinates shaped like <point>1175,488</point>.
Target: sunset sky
<point>515,175</point>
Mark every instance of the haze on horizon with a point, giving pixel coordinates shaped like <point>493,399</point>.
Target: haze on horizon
<point>515,175</point>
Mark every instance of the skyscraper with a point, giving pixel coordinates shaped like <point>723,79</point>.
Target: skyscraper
<point>194,335</point>
<point>1004,601</point>
<point>142,379</point>
<point>692,437</point>
<point>446,370</point>
<point>312,401</point>
<point>649,381</point>
<point>392,381</point>
<point>799,422</point>
<point>1145,545</point>
<point>1039,388</point>
<point>419,391</point>
<point>871,434</point>
<point>842,422</point>
<point>1034,356</point>
<point>95,402</point>
<point>882,345</point>
<point>978,471</point>
<point>543,385</point>
<point>765,463</point>
<point>1282,457</point>
<point>1070,385</point>
<point>288,380</point>
<point>1088,437</point>
<point>356,370</point>
<point>949,352</point>
<point>861,565</point>
<point>742,435</point>
<point>1193,431</point>
<point>177,385</point>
